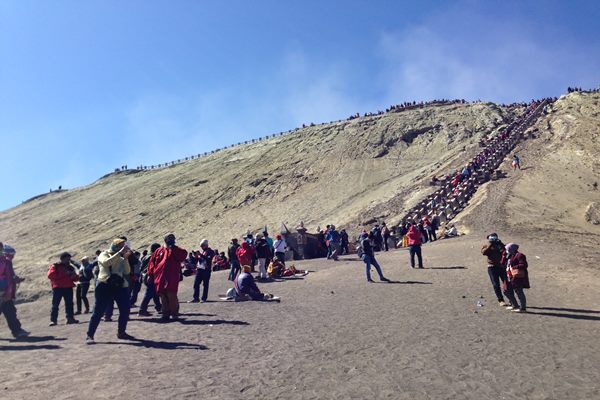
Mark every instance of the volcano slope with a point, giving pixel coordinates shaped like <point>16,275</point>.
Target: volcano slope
<point>335,336</point>
<point>343,173</point>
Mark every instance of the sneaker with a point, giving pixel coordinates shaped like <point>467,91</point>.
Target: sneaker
<point>385,280</point>
<point>21,334</point>
<point>77,313</point>
<point>142,313</point>
<point>125,336</point>
<point>194,301</point>
<point>89,340</point>
<point>370,280</point>
<point>501,303</point>
<point>52,323</point>
<point>72,321</point>
<point>519,310</point>
<point>511,308</point>
<point>107,319</point>
<point>86,312</point>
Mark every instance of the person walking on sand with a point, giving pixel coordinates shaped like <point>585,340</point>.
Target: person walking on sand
<point>113,266</point>
<point>233,259</point>
<point>518,277</point>
<point>494,251</point>
<point>8,290</point>
<point>165,270</point>
<point>150,293</point>
<point>415,238</point>
<point>516,162</point>
<point>62,276</point>
<point>368,256</point>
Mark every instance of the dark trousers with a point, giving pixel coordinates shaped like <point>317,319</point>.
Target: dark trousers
<point>510,294</point>
<point>81,295</point>
<point>415,250</point>
<point>10,313</point>
<point>150,294</point>
<point>497,275</point>
<point>57,295</point>
<point>105,295</point>
<point>111,307</point>
<point>432,235</point>
<point>385,243</point>
<point>281,256</point>
<point>202,276</point>
<point>235,269</point>
<point>136,286</point>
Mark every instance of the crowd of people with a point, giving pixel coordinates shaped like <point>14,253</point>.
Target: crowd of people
<point>119,273</point>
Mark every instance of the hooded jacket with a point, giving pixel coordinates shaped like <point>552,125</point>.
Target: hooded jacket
<point>414,235</point>
<point>245,254</point>
<point>7,274</point>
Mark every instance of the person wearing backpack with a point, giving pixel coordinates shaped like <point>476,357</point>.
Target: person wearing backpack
<point>113,267</point>
<point>518,277</point>
<point>494,251</point>
<point>86,274</point>
<point>62,276</point>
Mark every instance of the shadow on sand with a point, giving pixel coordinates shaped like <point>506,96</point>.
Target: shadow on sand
<point>560,315</point>
<point>182,320</point>
<point>34,339</point>
<point>30,347</point>
<point>575,310</point>
<point>153,344</point>
<point>452,267</point>
<point>406,282</point>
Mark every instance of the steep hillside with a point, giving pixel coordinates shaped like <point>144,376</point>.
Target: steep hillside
<point>344,173</point>
<point>555,197</point>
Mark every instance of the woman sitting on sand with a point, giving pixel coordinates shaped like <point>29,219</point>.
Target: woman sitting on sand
<point>246,289</point>
<point>277,269</point>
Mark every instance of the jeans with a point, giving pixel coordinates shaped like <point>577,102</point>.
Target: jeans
<point>415,250</point>
<point>262,268</point>
<point>235,269</point>
<point>202,276</point>
<point>81,295</point>
<point>150,294</point>
<point>10,313</point>
<point>57,295</point>
<point>497,275</point>
<point>385,243</point>
<point>371,260</point>
<point>105,295</point>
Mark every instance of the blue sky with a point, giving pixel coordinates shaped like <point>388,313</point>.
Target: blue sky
<point>87,86</point>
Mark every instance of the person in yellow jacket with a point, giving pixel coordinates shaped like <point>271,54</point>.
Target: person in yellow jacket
<point>113,267</point>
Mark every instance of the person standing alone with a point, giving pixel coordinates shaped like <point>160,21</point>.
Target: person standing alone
<point>62,276</point>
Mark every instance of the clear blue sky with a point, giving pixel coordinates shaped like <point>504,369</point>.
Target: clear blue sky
<point>87,86</point>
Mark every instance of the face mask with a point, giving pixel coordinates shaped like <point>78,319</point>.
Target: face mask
<point>170,242</point>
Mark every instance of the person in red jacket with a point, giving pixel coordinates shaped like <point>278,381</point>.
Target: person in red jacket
<point>245,253</point>
<point>165,269</point>
<point>518,277</point>
<point>63,276</point>
<point>8,290</point>
<point>415,238</point>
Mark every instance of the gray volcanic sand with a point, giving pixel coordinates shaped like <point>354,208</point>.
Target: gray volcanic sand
<point>336,336</point>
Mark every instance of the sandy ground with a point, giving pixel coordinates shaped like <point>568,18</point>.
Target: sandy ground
<point>336,336</point>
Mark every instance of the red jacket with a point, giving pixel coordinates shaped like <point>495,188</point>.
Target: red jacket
<point>245,254</point>
<point>62,276</point>
<point>414,236</point>
<point>165,268</point>
<point>517,261</point>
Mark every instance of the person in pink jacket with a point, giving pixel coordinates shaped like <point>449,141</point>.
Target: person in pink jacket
<point>8,285</point>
